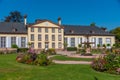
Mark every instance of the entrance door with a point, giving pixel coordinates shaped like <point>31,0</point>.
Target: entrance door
<point>46,46</point>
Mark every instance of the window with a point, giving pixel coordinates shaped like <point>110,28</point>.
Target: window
<point>59,30</point>
<point>39,29</point>
<point>32,45</point>
<point>32,37</point>
<point>46,30</point>
<point>100,41</point>
<point>32,29</point>
<point>3,42</point>
<point>39,37</point>
<point>53,30</point>
<point>59,45</point>
<point>23,42</point>
<point>39,45</point>
<point>59,37</point>
<point>53,45</point>
<point>13,40</point>
<point>108,40</point>
<point>46,37</point>
<point>65,40</point>
<point>72,42</point>
<point>53,37</point>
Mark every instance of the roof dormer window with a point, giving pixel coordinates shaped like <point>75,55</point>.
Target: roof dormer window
<point>71,31</point>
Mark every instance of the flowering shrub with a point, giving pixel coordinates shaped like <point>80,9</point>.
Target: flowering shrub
<point>109,63</point>
<point>32,58</point>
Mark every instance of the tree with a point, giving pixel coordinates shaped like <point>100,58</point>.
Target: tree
<point>116,31</point>
<point>93,24</point>
<point>14,16</point>
<point>65,45</point>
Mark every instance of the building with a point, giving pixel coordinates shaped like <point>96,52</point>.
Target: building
<point>44,34</point>
<point>75,34</point>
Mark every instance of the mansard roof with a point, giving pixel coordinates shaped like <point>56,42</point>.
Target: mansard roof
<point>85,30</point>
<point>12,28</point>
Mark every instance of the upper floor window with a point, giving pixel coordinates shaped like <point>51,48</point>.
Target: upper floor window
<point>59,30</point>
<point>32,37</point>
<point>59,37</point>
<point>53,37</point>
<point>32,29</point>
<point>13,40</point>
<point>39,29</point>
<point>53,30</point>
<point>23,42</point>
<point>39,37</point>
<point>46,37</point>
<point>46,30</point>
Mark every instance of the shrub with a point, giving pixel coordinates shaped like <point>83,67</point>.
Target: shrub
<point>33,58</point>
<point>49,51</point>
<point>14,46</point>
<point>22,50</point>
<point>71,48</point>
<point>109,63</point>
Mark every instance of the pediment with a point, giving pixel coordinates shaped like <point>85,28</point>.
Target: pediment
<point>46,24</point>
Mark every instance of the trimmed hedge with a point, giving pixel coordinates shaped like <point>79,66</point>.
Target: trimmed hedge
<point>71,48</point>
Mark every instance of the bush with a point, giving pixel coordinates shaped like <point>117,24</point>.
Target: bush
<point>109,63</point>
<point>14,46</point>
<point>49,51</point>
<point>71,48</point>
<point>33,58</point>
<point>22,50</point>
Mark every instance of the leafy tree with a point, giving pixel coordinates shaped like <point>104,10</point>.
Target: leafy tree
<point>116,31</point>
<point>14,16</point>
<point>93,24</point>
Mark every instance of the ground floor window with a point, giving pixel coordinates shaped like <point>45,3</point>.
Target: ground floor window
<point>108,40</point>
<point>100,41</point>
<point>59,45</point>
<point>23,42</point>
<point>32,45</point>
<point>53,45</point>
<point>3,42</point>
<point>72,42</point>
<point>13,40</point>
<point>39,45</point>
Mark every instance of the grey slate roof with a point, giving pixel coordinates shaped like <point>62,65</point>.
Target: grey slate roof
<point>12,27</point>
<point>85,30</point>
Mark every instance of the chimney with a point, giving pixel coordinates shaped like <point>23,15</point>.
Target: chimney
<point>25,19</point>
<point>59,20</point>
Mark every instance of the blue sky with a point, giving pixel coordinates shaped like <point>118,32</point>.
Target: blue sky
<point>104,13</point>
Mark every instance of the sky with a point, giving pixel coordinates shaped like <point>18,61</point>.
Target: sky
<point>105,13</point>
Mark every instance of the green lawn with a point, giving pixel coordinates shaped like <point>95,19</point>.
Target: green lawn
<point>11,70</point>
<point>66,58</point>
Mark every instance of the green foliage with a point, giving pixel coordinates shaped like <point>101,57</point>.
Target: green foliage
<point>98,45</point>
<point>14,16</point>
<point>71,48</point>
<point>22,50</point>
<point>104,45</point>
<point>109,63</point>
<point>49,51</point>
<point>92,24</point>
<point>14,46</point>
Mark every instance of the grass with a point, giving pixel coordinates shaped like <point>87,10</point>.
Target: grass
<point>11,70</point>
<point>66,58</point>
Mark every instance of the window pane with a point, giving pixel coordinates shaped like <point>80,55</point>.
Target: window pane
<point>72,42</point>
<point>32,37</point>
<point>59,45</point>
<point>59,37</point>
<point>23,42</point>
<point>39,45</point>
<point>59,30</point>
<point>46,30</point>
<point>46,37</point>
<point>39,29</point>
<point>32,29</point>
<point>100,41</point>
<point>13,40</point>
<point>53,37</point>
<point>53,45</point>
<point>39,37</point>
<point>3,42</point>
<point>53,30</point>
